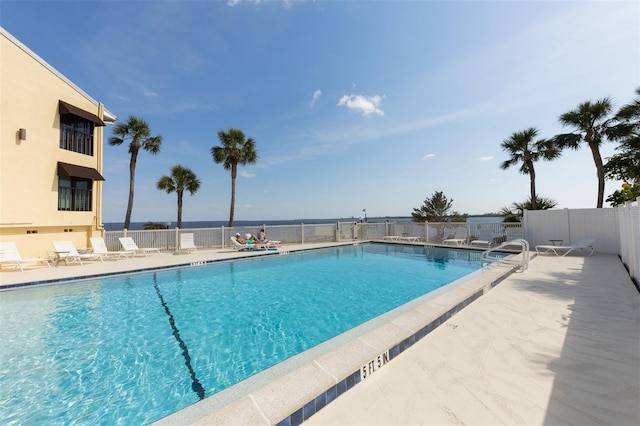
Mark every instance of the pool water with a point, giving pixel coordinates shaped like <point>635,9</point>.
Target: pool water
<point>132,349</point>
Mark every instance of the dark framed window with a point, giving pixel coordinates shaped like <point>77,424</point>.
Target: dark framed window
<point>74,194</point>
<point>76,134</point>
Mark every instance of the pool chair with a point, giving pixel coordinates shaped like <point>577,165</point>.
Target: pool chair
<point>250,247</point>
<point>187,243</point>
<point>581,245</point>
<point>99,247</point>
<point>129,245</point>
<point>9,255</point>
<point>66,251</point>
<point>458,239</point>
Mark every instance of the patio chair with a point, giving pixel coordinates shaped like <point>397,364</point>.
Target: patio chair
<point>9,255</point>
<point>582,245</point>
<point>187,243</point>
<point>100,247</point>
<point>65,250</point>
<point>129,245</point>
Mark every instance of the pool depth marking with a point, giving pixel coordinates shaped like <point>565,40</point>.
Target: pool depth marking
<point>375,364</point>
<point>195,383</point>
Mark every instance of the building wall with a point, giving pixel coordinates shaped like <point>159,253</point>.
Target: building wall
<point>30,90</point>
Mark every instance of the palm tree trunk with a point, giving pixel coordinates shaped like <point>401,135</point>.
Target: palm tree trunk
<point>132,180</point>
<point>532,182</point>
<point>234,169</point>
<point>179,192</point>
<point>597,158</point>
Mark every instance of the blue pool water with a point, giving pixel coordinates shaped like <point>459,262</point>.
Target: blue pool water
<point>133,349</point>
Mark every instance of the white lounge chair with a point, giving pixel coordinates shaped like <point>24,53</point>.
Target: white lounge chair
<point>65,250</point>
<point>99,247</point>
<point>458,239</point>
<point>129,245</point>
<point>485,239</point>
<point>187,243</point>
<point>250,247</point>
<point>582,245</point>
<point>9,255</point>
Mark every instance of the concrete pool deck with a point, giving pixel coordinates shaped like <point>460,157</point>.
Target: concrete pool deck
<point>558,344</point>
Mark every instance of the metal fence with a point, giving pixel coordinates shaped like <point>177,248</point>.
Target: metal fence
<point>211,238</point>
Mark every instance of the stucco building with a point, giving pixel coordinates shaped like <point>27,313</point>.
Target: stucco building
<point>51,154</point>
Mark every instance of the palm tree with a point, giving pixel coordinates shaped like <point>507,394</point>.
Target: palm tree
<point>137,130</point>
<point>181,178</point>
<point>515,215</point>
<point>235,150</point>
<point>592,125</point>
<point>523,149</point>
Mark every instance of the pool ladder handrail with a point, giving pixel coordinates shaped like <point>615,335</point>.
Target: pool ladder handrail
<point>521,242</point>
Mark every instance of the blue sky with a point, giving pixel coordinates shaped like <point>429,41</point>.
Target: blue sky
<point>353,105</point>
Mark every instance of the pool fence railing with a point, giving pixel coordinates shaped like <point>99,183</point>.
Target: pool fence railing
<point>425,232</point>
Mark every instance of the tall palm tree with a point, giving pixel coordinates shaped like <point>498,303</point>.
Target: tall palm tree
<point>592,124</point>
<point>181,178</point>
<point>523,149</point>
<point>235,150</point>
<point>137,131</point>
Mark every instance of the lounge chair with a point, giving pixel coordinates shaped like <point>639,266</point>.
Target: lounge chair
<point>65,250</point>
<point>187,243</point>
<point>9,255</point>
<point>99,247</point>
<point>485,239</point>
<point>458,239</point>
<point>251,247</point>
<point>582,245</point>
<point>129,245</point>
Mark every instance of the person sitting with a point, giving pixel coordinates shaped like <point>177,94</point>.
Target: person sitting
<point>262,237</point>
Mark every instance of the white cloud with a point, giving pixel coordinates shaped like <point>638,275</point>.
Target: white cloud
<point>247,174</point>
<point>362,104</point>
<point>426,157</point>
<point>151,93</point>
<point>487,158</point>
<point>315,97</point>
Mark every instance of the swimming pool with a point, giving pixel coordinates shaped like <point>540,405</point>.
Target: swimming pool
<point>135,348</point>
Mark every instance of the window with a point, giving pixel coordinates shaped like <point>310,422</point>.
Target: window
<point>76,134</point>
<point>74,194</point>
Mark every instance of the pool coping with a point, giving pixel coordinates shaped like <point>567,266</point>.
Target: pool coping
<point>292,391</point>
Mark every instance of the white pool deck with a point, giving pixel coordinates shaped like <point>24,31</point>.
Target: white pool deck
<point>557,344</point>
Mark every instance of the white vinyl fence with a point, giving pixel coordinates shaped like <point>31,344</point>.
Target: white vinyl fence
<point>566,226</point>
<point>617,230</point>
<point>629,222</point>
<point>427,232</point>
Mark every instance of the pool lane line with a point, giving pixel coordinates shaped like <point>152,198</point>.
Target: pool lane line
<point>195,383</point>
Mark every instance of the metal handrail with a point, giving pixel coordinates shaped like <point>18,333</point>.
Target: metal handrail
<point>522,265</point>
